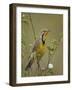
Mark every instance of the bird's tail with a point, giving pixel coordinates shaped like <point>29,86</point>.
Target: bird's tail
<point>31,60</point>
<point>29,64</point>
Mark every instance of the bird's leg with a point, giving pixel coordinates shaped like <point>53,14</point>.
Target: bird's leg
<point>38,65</point>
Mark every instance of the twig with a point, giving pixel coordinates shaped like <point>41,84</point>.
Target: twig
<point>32,27</point>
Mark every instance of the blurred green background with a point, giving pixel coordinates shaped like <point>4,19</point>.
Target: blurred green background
<point>34,23</point>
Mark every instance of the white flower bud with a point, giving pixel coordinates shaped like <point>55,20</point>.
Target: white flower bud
<point>50,66</point>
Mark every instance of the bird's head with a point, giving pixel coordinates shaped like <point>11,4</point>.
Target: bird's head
<point>44,35</point>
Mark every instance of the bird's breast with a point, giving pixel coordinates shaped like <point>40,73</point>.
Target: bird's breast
<point>41,50</point>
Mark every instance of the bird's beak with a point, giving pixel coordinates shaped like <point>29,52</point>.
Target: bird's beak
<point>47,32</point>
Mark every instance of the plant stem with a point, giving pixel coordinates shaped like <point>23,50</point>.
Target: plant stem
<point>32,27</point>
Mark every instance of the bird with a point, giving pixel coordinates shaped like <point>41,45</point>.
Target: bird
<point>39,49</point>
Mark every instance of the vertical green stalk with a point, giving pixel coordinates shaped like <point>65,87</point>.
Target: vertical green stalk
<point>32,27</point>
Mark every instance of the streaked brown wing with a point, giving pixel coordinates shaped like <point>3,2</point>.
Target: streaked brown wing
<point>36,44</point>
